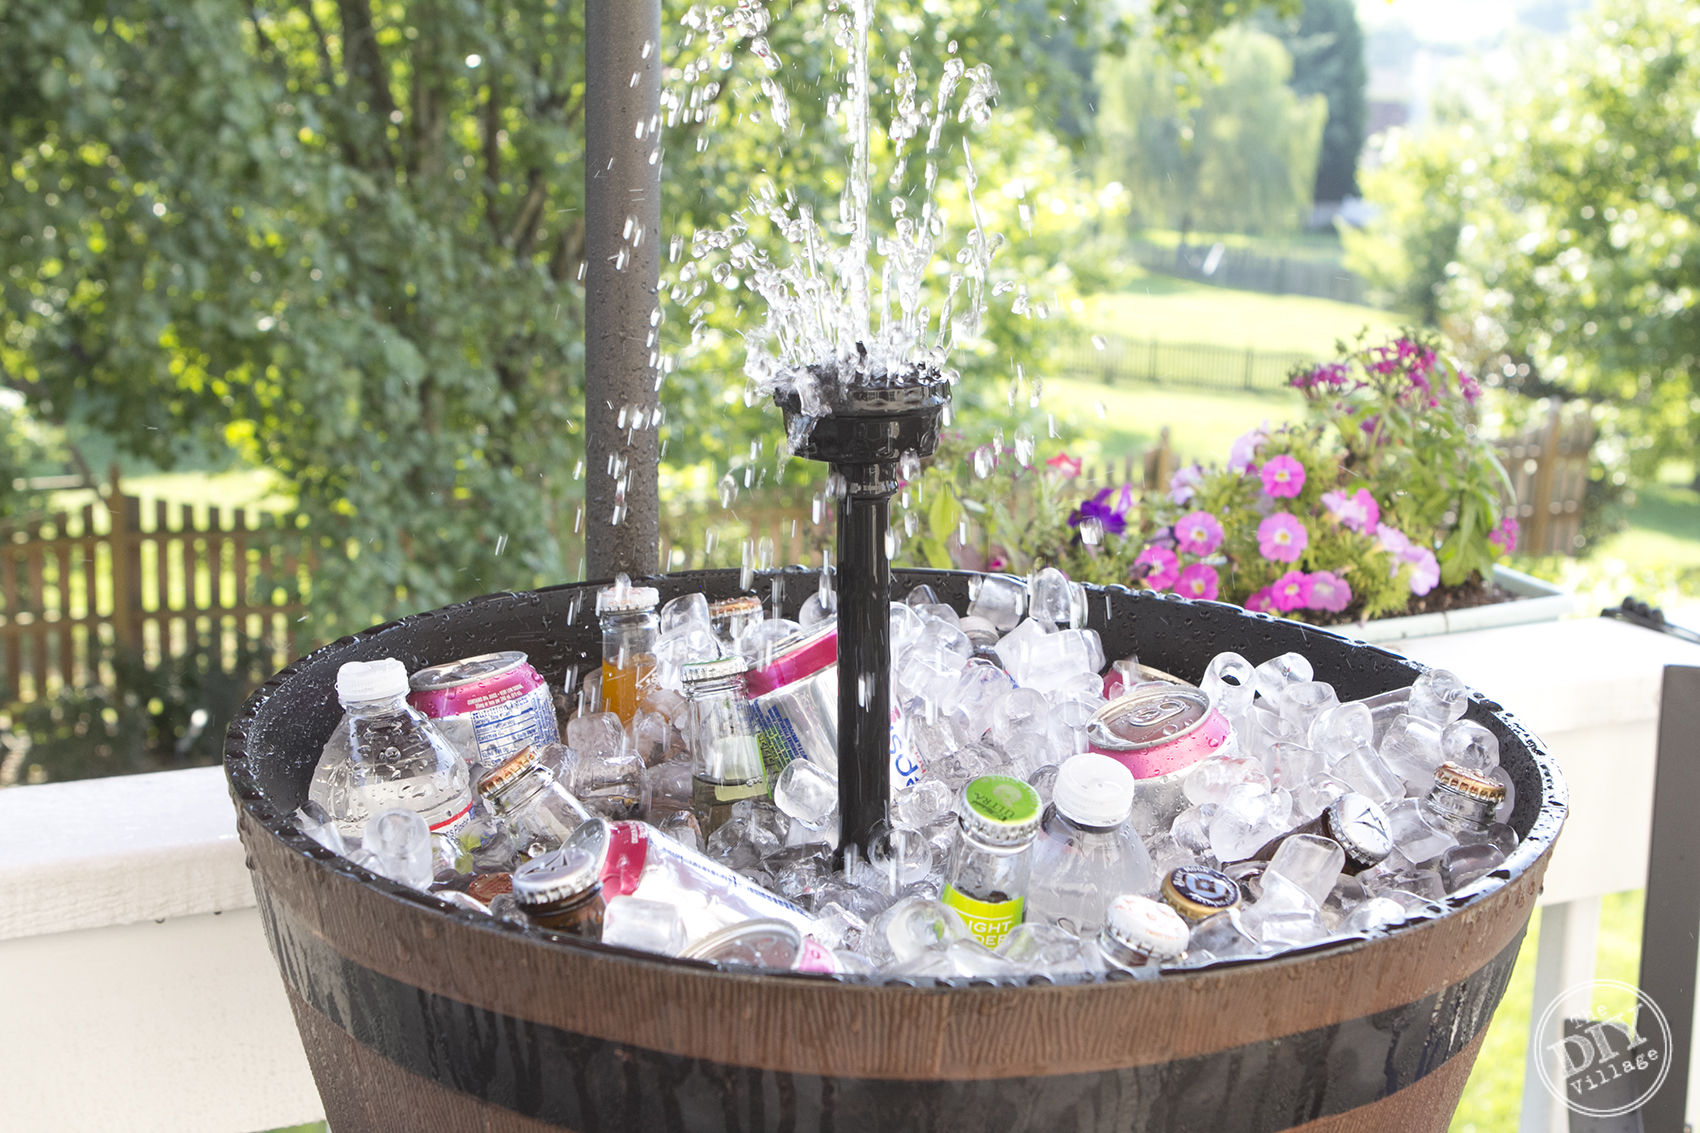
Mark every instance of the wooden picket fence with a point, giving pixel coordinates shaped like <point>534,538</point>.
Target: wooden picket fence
<point>1548,466</point>
<point>78,588</point>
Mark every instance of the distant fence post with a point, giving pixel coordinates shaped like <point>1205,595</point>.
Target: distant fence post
<point>1250,356</point>
<point>126,551</point>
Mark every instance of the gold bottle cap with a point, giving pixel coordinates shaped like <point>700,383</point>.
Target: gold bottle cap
<point>1471,784</point>
<point>1196,892</point>
<point>507,773</point>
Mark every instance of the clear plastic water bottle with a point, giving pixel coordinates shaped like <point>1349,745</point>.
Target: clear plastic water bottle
<point>1087,854</point>
<point>385,753</point>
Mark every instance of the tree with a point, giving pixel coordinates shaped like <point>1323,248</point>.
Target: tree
<point>1218,143</point>
<point>344,239</point>
<point>1574,268</point>
<point>1327,47</point>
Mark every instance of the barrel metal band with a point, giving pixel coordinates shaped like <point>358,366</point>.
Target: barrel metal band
<point>577,1081</point>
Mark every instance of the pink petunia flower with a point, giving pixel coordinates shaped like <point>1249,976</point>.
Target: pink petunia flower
<point>1425,569</point>
<point>1240,457</point>
<point>1068,465</point>
<point>1291,591</point>
<point>1198,581</point>
<point>1262,601</point>
<point>1282,476</point>
<point>1281,538</point>
<point>1184,483</point>
<point>1328,591</point>
<point>1358,511</point>
<point>1163,567</point>
<point>1198,533</point>
<point>1504,537</point>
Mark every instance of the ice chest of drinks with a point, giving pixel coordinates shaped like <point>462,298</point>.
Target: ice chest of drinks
<point>416,1015</point>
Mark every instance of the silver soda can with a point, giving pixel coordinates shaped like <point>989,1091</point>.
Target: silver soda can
<point>494,704</point>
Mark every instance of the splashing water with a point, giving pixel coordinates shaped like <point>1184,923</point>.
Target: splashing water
<point>828,326</point>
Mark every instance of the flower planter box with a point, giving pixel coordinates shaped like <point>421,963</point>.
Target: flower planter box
<point>1537,601</point>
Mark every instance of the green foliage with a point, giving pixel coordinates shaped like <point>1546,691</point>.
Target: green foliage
<point>26,444</point>
<point>146,719</point>
<point>1574,265</point>
<point>1219,143</point>
<point>1327,47</point>
<point>344,239</point>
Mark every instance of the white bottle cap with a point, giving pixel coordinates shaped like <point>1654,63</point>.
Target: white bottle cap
<point>1094,790</point>
<point>1148,927</point>
<point>361,681</point>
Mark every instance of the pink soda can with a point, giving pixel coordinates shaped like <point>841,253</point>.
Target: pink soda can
<point>1159,732</point>
<point>492,706</point>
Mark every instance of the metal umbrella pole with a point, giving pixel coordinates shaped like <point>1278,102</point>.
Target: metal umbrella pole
<point>622,241</point>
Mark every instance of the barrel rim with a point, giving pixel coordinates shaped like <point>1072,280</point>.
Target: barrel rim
<point>1543,832</point>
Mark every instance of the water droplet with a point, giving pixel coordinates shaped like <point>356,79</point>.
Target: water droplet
<point>1100,342</point>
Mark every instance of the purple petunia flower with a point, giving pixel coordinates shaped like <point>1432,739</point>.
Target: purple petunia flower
<point>1283,477</point>
<point>1198,581</point>
<point>1282,538</point>
<point>1198,533</point>
<point>1358,511</point>
<point>1425,569</point>
<point>1245,449</point>
<point>1162,567</point>
<point>1291,591</point>
<point>1262,601</point>
<point>1184,483</point>
<point>1109,507</point>
<point>1392,540</point>
<point>1328,591</point>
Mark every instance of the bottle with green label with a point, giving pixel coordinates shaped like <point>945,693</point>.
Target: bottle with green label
<point>992,857</point>
<point>725,749</point>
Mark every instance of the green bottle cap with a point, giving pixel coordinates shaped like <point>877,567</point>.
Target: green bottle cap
<point>1001,810</point>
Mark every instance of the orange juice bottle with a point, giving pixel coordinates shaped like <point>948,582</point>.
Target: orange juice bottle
<point>629,629</point>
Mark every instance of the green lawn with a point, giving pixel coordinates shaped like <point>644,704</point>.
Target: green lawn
<point>1121,419</point>
<point>1179,310</point>
<point>1492,1099</point>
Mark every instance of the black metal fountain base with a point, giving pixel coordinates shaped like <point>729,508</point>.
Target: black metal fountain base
<point>865,436</point>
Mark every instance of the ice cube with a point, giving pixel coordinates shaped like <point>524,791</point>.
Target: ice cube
<point>1191,829</point>
<point>1244,823</point>
<point>1020,708</point>
<point>1214,777</point>
<point>1313,798</point>
<point>397,842</point>
<point>1342,728</point>
<point>979,688</point>
<point>1264,727</point>
<point>1413,838</point>
<point>1275,674</point>
<point>1222,935</point>
<point>1303,701</point>
<point>671,784</point>
<point>1310,862</point>
<point>960,959</point>
<point>1463,864</point>
<point>647,926</point>
<point>685,610</point>
<point>1230,682</point>
<point>1438,697</point>
<point>922,595</point>
<point>915,925</point>
<point>1363,770</point>
<point>922,804</point>
<point>763,638</point>
<point>906,626</point>
<point>821,606</point>
<point>1373,915</point>
<point>1047,950</point>
<point>1470,745</point>
<point>945,637</point>
<point>681,825</point>
<point>315,822</point>
<point>940,612</point>
<point>1285,915</point>
<point>594,733</point>
<point>1044,780</point>
<point>650,733</point>
<point>1412,749</point>
<point>1000,601</point>
<point>902,856</point>
<point>613,784</point>
<point>1293,765</point>
<point>837,927</point>
<point>1049,596</point>
<point>807,793</point>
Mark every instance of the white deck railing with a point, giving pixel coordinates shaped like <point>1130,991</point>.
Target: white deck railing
<point>139,994</point>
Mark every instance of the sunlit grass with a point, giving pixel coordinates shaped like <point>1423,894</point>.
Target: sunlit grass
<point>1179,310</point>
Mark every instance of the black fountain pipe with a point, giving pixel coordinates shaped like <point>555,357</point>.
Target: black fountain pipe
<point>864,435</point>
<point>622,245</point>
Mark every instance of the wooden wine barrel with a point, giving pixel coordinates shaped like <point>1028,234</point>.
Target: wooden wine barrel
<point>420,1016</point>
